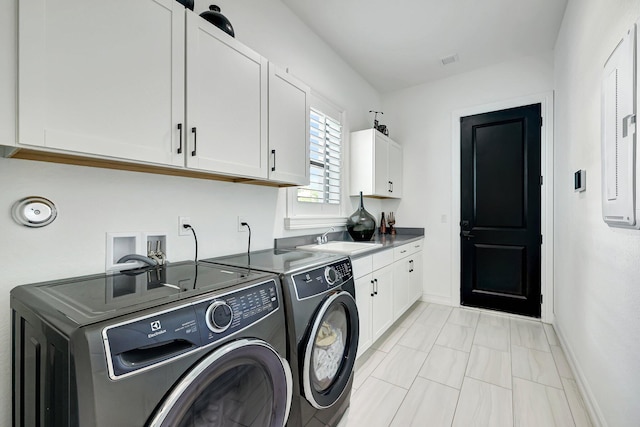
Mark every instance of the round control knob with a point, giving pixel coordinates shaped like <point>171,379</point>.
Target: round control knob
<point>219,316</point>
<point>330,275</point>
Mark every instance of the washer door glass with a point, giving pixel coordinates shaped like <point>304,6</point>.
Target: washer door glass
<point>331,350</point>
<point>245,383</point>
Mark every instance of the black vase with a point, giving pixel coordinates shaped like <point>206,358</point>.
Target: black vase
<point>361,224</point>
<point>214,16</point>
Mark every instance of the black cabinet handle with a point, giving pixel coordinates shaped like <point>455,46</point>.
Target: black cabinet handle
<point>372,288</point>
<point>273,153</point>
<point>390,190</point>
<point>410,266</point>
<point>376,289</point>
<point>180,130</point>
<point>391,182</point>
<point>195,135</point>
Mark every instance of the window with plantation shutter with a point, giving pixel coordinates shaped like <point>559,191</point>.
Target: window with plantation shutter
<point>325,160</point>
<point>322,202</point>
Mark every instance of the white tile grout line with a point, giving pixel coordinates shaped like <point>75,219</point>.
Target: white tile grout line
<point>464,375</point>
<point>418,373</point>
<point>508,316</point>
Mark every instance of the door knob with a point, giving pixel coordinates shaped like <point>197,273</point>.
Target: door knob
<point>466,234</point>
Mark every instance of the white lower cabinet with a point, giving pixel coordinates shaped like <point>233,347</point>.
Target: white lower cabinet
<point>407,277</point>
<point>374,296</point>
<point>401,273</point>
<point>387,283</point>
<point>364,300</point>
<point>415,278</point>
<point>382,309</point>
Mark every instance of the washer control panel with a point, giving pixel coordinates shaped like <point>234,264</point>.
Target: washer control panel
<point>321,279</point>
<point>155,339</point>
<point>219,316</point>
<point>230,313</point>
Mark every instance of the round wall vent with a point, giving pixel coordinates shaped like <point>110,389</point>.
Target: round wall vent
<point>34,211</point>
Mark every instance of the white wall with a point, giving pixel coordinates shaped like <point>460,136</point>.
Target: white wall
<point>419,118</point>
<point>271,29</point>
<point>94,201</point>
<point>596,267</point>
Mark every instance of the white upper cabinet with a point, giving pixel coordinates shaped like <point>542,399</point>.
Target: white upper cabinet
<point>8,71</point>
<point>226,103</point>
<point>153,83</point>
<point>288,128</point>
<point>395,169</point>
<point>376,165</point>
<point>102,78</point>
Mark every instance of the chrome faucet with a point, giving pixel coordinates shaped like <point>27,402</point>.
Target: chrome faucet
<point>323,238</point>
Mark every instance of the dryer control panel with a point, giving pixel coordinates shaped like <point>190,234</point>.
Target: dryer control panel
<point>146,342</point>
<point>321,279</point>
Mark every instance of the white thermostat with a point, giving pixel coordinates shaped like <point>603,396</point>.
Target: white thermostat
<point>34,211</point>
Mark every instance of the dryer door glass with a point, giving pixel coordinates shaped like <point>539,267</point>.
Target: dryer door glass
<point>331,352</point>
<point>329,346</point>
<point>245,383</point>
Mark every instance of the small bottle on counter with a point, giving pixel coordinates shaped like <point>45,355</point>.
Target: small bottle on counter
<point>383,225</point>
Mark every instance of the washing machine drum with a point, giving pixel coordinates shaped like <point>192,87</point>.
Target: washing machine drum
<point>244,383</point>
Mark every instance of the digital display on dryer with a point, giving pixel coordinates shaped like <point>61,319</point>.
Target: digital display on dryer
<point>322,279</point>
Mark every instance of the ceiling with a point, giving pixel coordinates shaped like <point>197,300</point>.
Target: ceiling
<point>399,43</point>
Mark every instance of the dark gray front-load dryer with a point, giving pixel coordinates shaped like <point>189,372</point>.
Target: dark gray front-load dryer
<point>180,345</point>
<point>322,328</point>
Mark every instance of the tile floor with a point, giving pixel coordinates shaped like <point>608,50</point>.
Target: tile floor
<point>444,366</point>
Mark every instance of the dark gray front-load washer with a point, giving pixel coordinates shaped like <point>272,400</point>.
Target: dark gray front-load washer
<point>180,345</point>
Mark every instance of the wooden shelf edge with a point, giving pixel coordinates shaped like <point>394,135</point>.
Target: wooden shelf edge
<point>68,159</point>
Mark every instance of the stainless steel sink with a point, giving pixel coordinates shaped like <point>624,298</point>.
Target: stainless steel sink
<point>347,248</point>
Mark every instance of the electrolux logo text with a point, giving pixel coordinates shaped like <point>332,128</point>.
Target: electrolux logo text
<point>156,329</point>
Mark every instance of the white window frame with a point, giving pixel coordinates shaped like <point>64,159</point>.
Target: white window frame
<point>301,215</point>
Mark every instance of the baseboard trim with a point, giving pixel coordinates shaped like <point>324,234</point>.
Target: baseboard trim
<point>597,418</point>
<point>436,299</point>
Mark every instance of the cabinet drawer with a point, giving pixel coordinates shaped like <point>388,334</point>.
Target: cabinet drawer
<point>361,266</point>
<point>382,259</point>
<point>408,249</point>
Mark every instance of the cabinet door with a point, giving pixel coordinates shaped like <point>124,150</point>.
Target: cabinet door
<point>364,289</point>
<point>226,103</point>
<point>361,162</point>
<point>401,273</point>
<point>382,184</point>
<point>382,310</point>
<point>8,72</point>
<point>395,170</point>
<point>415,278</point>
<point>102,78</point>
<point>288,128</point>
